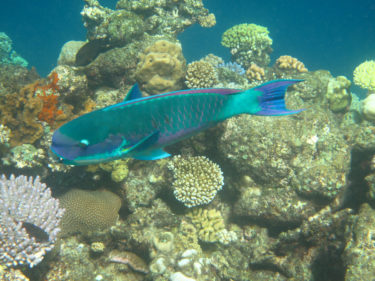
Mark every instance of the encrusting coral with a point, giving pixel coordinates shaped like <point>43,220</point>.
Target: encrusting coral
<point>209,223</point>
<point>161,67</point>
<point>290,64</point>
<point>364,75</point>
<point>196,179</point>
<point>200,74</point>
<point>88,210</point>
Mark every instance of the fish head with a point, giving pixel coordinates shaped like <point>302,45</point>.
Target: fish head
<point>85,142</point>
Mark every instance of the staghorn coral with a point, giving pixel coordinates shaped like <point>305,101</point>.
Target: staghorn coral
<point>161,67</point>
<point>288,63</point>
<point>364,75</point>
<point>248,43</point>
<point>200,74</point>
<point>29,220</point>
<point>196,179</point>
<point>209,224</point>
<point>255,73</point>
<point>89,210</point>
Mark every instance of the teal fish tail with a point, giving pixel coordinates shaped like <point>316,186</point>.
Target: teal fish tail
<point>266,99</point>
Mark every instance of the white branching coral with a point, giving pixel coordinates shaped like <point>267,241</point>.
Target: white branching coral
<point>29,220</point>
<point>196,179</point>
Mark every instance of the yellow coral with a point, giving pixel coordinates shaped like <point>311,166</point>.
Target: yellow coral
<point>209,223</point>
<point>88,210</point>
<point>200,74</point>
<point>290,63</point>
<point>255,73</point>
<point>207,21</point>
<point>118,169</point>
<point>364,75</point>
<point>196,179</point>
<point>161,67</point>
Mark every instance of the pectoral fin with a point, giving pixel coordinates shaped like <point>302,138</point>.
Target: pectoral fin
<point>143,144</point>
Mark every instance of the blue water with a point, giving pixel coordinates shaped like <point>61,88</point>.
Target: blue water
<point>333,35</point>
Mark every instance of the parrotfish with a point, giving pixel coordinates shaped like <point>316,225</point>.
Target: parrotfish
<point>141,127</point>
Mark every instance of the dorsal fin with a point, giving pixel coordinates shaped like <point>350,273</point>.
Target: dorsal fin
<point>134,93</point>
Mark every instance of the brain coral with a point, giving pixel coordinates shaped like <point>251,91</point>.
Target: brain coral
<point>200,74</point>
<point>196,179</point>
<point>89,210</point>
<point>364,75</point>
<point>161,67</point>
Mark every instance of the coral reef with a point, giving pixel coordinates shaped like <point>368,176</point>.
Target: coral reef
<point>118,169</point>
<point>24,156</point>
<point>338,94</point>
<point>248,43</point>
<point>200,74</point>
<point>359,252</point>
<point>255,73</point>
<point>19,112</point>
<point>29,220</point>
<point>288,63</point>
<point>68,53</point>
<point>208,222</point>
<point>364,74</point>
<point>368,107</point>
<point>88,210</point>
<point>7,55</point>
<point>169,16</point>
<point>196,179</point>
<point>161,67</point>
<point>232,66</point>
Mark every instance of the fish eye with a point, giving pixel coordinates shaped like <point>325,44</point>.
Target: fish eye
<point>84,143</point>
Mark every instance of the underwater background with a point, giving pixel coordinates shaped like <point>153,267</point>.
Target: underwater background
<point>253,197</point>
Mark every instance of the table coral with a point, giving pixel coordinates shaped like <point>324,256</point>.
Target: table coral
<point>248,43</point>
<point>196,179</point>
<point>200,74</point>
<point>364,75</point>
<point>161,67</point>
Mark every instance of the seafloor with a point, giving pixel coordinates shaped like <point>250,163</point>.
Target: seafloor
<point>254,198</point>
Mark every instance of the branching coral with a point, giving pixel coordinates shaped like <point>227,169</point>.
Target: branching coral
<point>364,75</point>
<point>255,73</point>
<point>200,74</point>
<point>289,63</point>
<point>197,179</point>
<point>248,43</point>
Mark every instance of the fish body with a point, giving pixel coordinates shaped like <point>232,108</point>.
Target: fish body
<point>140,127</point>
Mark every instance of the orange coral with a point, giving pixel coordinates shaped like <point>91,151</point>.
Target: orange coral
<point>48,94</point>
